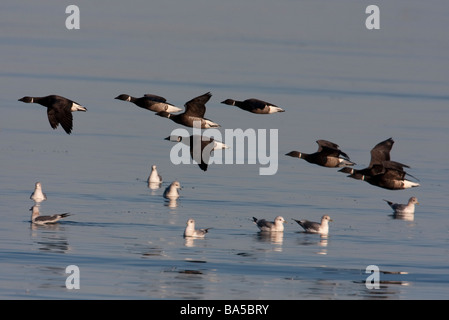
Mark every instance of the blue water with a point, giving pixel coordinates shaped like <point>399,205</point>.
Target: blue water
<point>336,79</point>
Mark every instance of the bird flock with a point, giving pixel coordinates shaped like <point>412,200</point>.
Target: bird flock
<point>381,172</point>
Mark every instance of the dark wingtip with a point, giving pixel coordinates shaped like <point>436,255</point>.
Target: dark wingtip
<point>297,221</point>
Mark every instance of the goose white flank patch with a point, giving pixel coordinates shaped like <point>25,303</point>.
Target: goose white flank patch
<point>36,218</point>
<point>254,106</point>
<point>190,230</point>
<point>154,176</point>
<point>276,225</point>
<point>59,110</point>
<point>316,227</point>
<point>38,195</point>
<point>408,208</point>
<point>171,192</point>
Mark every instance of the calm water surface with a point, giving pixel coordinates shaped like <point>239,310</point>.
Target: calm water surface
<point>337,80</point>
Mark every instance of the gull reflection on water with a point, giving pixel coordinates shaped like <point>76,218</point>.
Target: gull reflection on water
<point>404,216</point>
<point>154,185</point>
<point>276,238</point>
<point>323,244</point>
<point>171,203</point>
<point>189,242</point>
<point>50,238</point>
<point>310,239</point>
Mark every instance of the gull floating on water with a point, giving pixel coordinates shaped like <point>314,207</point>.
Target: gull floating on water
<point>404,208</point>
<point>171,192</point>
<point>36,218</point>
<point>38,195</point>
<point>190,230</point>
<point>316,227</point>
<point>154,179</point>
<point>276,225</point>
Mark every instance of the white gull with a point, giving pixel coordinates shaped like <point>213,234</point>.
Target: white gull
<point>38,195</point>
<point>36,218</point>
<point>316,227</point>
<point>190,230</point>
<point>171,192</point>
<point>404,208</point>
<point>276,225</point>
